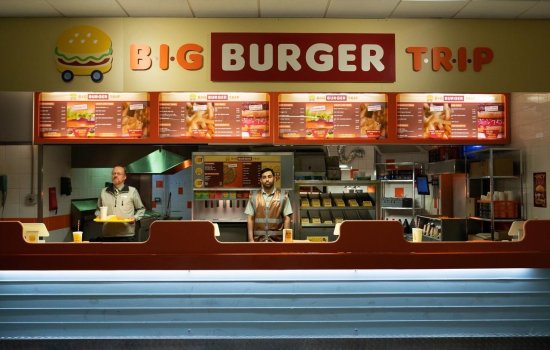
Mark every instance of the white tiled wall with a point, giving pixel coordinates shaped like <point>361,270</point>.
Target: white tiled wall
<point>170,191</point>
<point>57,164</point>
<point>15,163</point>
<point>88,182</point>
<point>530,119</point>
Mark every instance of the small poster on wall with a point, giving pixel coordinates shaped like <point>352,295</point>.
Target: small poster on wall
<point>539,189</point>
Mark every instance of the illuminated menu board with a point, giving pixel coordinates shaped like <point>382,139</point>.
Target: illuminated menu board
<point>208,115</point>
<point>332,116</point>
<point>93,115</point>
<point>240,170</point>
<point>451,116</point>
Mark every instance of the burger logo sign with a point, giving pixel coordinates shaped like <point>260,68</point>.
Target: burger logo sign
<point>83,50</point>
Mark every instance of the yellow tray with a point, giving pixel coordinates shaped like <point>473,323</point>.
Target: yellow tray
<point>114,219</point>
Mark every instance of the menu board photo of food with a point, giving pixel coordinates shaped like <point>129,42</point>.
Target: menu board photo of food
<point>319,121</point>
<point>93,115</point>
<point>212,116</point>
<point>451,116</point>
<point>490,121</point>
<point>80,119</point>
<point>332,116</point>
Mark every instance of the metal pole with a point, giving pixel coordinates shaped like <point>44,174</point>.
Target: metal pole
<point>40,187</point>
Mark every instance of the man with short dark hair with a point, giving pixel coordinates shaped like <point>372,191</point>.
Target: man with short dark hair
<point>269,211</point>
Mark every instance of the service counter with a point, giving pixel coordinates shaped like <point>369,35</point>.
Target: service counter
<point>368,289</point>
<point>192,245</point>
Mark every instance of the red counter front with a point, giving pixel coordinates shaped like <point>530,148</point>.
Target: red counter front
<point>192,245</point>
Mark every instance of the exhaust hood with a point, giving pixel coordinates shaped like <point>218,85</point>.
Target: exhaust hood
<point>158,162</point>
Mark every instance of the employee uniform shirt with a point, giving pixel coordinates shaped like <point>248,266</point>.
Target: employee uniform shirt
<point>287,210</point>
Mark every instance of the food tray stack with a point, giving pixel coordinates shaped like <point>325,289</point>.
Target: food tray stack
<point>338,216</point>
<point>326,200</point>
<point>326,218</point>
<point>304,217</point>
<point>314,216</point>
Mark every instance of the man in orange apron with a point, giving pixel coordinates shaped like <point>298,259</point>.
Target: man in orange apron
<point>268,211</point>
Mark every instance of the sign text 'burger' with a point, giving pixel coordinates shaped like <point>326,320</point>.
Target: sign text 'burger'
<point>303,57</point>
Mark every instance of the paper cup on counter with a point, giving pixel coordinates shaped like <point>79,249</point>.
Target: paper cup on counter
<point>103,213</point>
<point>417,234</point>
<point>287,235</point>
<point>77,236</point>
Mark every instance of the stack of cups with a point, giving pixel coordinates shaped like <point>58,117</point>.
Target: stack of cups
<point>509,195</point>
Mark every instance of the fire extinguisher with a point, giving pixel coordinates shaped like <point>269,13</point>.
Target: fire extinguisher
<point>52,199</point>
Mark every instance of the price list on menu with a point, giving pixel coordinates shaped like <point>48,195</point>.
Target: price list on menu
<point>224,174</point>
<point>172,118</point>
<point>346,119</point>
<point>214,115</point>
<point>445,117</point>
<point>227,119</point>
<point>292,123</point>
<point>53,119</point>
<point>213,174</point>
<point>107,118</point>
<point>332,116</point>
<point>251,174</point>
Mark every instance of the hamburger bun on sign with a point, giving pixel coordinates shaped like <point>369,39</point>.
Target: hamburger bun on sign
<point>83,50</point>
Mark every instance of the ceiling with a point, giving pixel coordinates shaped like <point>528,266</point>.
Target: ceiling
<point>374,9</point>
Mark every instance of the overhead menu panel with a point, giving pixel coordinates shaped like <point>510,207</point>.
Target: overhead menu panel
<point>249,118</point>
<point>93,115</point>
<point>211,117</point>
<point>441,117</point>
<point>324,118</point>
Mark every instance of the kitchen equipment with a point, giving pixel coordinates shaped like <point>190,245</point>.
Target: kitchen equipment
<point>309,165</point>
<point>158,162</point>
<point>333,168</point>
<point>443,228</point>
<point>83,211</point>
<point>168,203</point>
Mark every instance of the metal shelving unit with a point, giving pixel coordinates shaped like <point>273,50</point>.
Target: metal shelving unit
<point>331,189</point>
<point>490,171</point>
<point>388,182</point>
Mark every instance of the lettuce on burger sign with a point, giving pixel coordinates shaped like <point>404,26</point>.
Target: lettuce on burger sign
<point>83,50</point>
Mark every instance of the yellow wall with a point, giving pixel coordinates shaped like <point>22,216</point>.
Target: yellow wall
<point>520,63</point>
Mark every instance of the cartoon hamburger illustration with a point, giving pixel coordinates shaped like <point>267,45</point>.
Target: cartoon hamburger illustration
<point>83,50</point>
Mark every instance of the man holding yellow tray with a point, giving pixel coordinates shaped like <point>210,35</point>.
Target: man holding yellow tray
<point>124,208</point>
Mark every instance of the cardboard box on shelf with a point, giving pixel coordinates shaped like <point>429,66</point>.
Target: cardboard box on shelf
<point>476,169</point>
<point>501,167</point>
